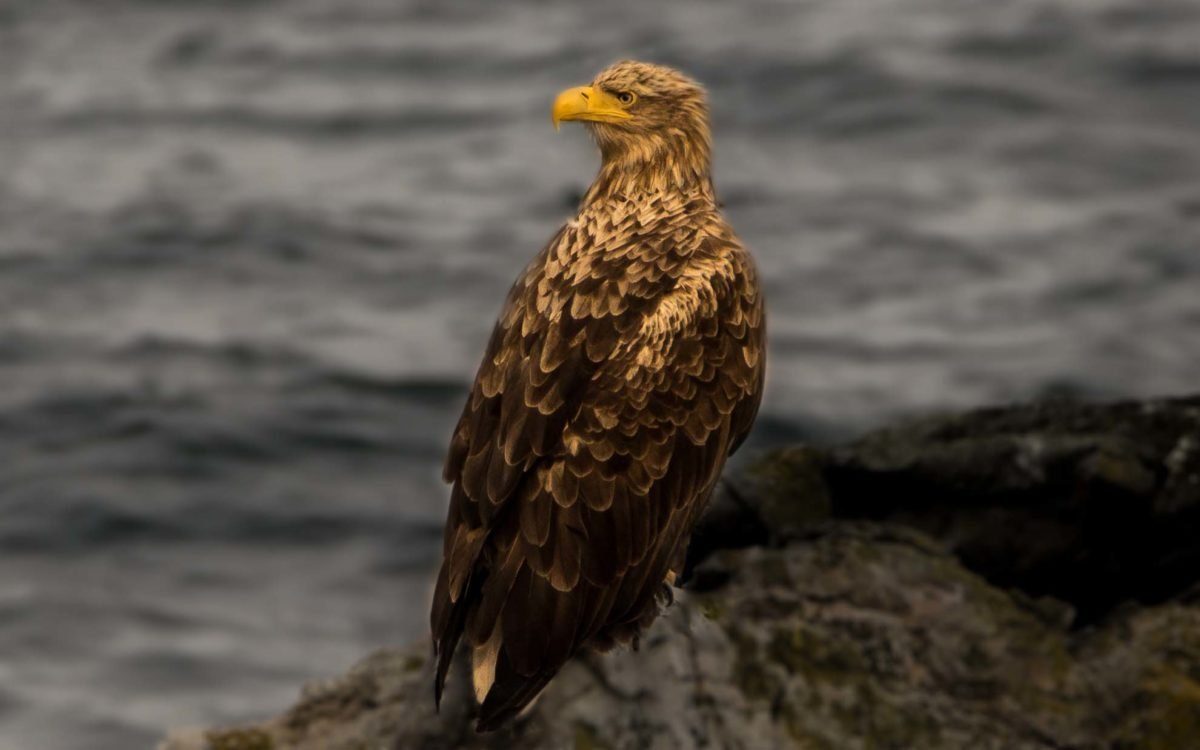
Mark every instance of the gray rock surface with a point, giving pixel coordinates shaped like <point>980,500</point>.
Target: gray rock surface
<point>1009,578</point>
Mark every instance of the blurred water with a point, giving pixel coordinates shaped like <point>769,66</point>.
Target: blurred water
<point>250,252</point>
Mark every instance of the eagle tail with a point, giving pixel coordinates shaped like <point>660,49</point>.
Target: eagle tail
<point>510,693</point>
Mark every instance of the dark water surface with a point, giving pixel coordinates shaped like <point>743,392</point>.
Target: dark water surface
<point>250,251</point>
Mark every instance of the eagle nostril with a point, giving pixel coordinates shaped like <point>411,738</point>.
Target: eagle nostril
<point>584,94</point>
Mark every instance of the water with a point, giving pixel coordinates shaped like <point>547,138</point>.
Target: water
<point>250,252</point>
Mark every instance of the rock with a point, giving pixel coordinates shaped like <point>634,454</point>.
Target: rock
<point>915,589</point>
<point>1093,504</point>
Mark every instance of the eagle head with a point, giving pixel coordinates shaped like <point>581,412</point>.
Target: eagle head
<point>642,115</point>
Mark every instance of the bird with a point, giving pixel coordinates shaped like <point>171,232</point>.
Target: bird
<point>626,365</point>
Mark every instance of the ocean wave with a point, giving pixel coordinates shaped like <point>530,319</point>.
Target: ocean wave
<point>86,527</point>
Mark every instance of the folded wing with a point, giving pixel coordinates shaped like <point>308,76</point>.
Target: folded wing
<point>597,426</point>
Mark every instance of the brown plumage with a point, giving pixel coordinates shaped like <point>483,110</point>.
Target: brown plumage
<point>626,365</point>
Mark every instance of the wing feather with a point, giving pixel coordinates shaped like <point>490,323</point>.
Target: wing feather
<point>610,393</point>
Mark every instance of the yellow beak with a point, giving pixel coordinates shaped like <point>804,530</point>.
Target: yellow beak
<point>587,103</point>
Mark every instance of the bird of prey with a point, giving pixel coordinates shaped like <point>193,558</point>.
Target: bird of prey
<point>626,366</point>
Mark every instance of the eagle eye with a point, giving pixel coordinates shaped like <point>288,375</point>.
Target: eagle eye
<point>626,97</point>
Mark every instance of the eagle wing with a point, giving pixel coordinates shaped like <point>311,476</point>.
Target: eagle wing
<point>594,433</point>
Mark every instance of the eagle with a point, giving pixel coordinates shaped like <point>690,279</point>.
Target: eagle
<point>626,366</point>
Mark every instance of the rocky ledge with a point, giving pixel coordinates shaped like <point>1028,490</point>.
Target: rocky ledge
<point>1024,577</point>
